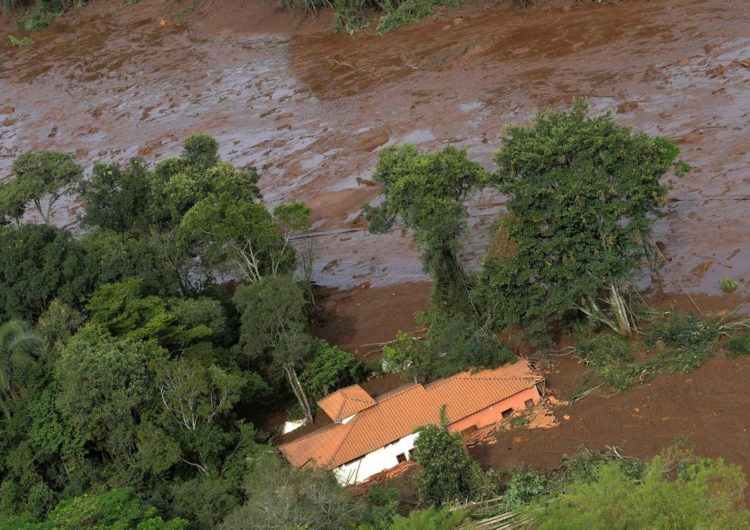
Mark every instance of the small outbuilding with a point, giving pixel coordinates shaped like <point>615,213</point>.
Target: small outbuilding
<point>371,435</point>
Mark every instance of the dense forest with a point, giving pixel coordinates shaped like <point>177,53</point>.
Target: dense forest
<point>137,350</point>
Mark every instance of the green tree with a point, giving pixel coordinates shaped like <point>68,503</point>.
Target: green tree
<point>115,257</point>
<point>232,232</point>
<point>122,309</point>
<point>193,393</point>
<point>114,197</point>
<point>104,392</point>
<point>41,175</point>
<point>583,194</point>
<point>427,192</point>
<point>17,346</point>
<point>37,264</point>
<point>328,369</point>
<point>448,472</point>
<point>280,497</point>
<point>273,328</point>
<point>705,494</point>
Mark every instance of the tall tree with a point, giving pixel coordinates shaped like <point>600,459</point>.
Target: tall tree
<point>41,175</point>
<point>448,472</point>
<point>273,328</point>
<point>280,497</point>
<point>17,345</point>
<point>583,194</point>
<point>37,264</point>
<point>114,197</point>
<point>427,192</point>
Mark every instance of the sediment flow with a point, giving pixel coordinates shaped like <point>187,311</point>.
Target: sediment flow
<point>311,108</point>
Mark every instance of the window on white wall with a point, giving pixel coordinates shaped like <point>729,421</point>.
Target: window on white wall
<point>401,457</point>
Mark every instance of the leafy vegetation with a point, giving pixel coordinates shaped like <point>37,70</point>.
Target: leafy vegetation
<point>584,193</point>
<point>448,474</point>
<point>126,372</point>
<point>704,494</point>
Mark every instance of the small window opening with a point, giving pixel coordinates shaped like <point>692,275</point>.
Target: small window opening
<point>507,413</point>
<point>401,457</point>
<point>529,403</point>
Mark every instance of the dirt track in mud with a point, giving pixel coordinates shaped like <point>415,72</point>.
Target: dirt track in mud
<point>311,108</point>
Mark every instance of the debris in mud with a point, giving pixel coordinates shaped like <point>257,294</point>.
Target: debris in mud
<point>628,106</point>
<point>716,71</point>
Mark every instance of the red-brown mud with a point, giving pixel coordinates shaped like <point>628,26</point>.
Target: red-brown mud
<point>709,406</point>
<point>311,108</point>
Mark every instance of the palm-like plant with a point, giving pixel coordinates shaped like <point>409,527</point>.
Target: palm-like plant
<point>17,345</point>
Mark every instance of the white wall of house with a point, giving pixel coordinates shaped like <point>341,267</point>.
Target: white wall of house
<point>384,458</point>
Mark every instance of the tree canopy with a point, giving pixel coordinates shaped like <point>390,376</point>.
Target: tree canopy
<point>583,194</point>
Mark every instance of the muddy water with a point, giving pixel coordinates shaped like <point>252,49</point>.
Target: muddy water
<point>311,108</point>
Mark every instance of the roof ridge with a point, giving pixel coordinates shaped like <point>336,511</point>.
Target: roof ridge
<point>397,392</point>
<point>322,430</point>
<point>350,424</point>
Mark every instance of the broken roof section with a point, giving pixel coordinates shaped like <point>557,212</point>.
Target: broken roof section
<point>402,412</point>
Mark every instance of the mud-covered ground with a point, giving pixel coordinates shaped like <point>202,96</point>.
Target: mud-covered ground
<point>311,109</point>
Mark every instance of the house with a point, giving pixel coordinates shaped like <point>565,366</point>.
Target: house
<point>370,435</point>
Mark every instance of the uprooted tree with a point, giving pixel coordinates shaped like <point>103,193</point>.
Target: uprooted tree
<point>583,193</point>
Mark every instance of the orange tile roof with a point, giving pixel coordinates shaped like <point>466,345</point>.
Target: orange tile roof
<point>345,402</point>
<point>403,411</point>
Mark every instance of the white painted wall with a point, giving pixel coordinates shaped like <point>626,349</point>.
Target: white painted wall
<point>384,458</point>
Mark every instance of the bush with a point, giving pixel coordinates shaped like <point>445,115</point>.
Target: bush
<point>728,285</point>
<point>611,358</point>
<point>739,345</point>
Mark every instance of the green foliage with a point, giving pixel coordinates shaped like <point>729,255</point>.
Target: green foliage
<point>18,344</point>
<point>193,393</point>
<point>231,231</point>
<point>114,196</point>
<point>728,285</point>
<point>18,43</point>
<point>610,356</point>
<point>739,345</point>
<point>705,494</point>
<point>37,264</point>
<point>117,509</point>
<point>122,310</point>
<point>448,473</point>
<point>692,340</point>
<point>273,329</point>
<point>329,369</point>
<point>430,519</point>
<point>402,13</point>
<point>381,508</point>
<point>524,485</point>
<point>451,346</point>
<point>279,496</point>
<point>42,176</point>
<point>114,257</point>
<point>427,192</point>
<point>104,385</point>
<point>583,196</point>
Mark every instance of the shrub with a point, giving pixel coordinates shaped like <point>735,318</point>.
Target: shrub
<point>739,345</point>
<point>728,285</point>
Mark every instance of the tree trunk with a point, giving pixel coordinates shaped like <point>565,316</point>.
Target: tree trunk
<point>620,310</point>
<point>299,392</point>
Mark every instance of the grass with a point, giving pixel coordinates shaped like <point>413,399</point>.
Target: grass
<point>17,43</point>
